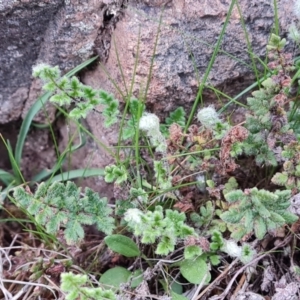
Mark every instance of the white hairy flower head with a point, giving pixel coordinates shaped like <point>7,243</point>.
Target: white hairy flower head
<point>201,182</point>
<point>133,216</point>
<point>231,248</point>
<point>208,117</point>
<point>149,123</point>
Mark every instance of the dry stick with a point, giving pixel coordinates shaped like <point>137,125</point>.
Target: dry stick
<point>224,294</point>
<point>218,279</point>
<point>199,287</point>
<point>239,286</point>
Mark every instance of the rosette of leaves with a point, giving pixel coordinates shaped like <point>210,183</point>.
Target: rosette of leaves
<point>256,209</point>
<point>65,206</point>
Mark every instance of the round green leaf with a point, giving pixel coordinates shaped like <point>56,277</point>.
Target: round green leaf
<point>194,270</point>
<point>115,276</point>
<point>122,245</point>
<point>176,288</point>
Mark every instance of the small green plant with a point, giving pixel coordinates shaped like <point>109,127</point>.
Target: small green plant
<point>115,173</point>
<point>177,116</point>
<point>153,226</point>
<point>231,185</point>
<point>79,287</point>
<point>256,209</point>
<point>63,205</point>
<point>268,124</point>
<point>206,219</point>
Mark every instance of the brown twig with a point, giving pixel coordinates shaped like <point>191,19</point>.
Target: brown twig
<point>241,270</point>
<point>218,279</point>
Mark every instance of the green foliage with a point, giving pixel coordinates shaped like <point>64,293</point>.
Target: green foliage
<point>289,177</point>
<point>217,241</point>
<point>114,277</point>
<point>75,288</point>
<point>231,185</point>
<point>177,116</point>
<point>122,245</point>
<point>195,270</point>
<point>115,173</point>
<point>205,216</point>
<point>111,108</point>
<point>259,125</point>
<point>64,205</point>
<point>270,128</point>
<point>176,296</point>
<point>206,219</point>
<point>276,43</point>
<point>267,124</point>
<point>260,209</point>
<point>192,251</point>
<point>70,90</point>
<point>152,226</point>
<point>139,196</point>
<point>136,108</point>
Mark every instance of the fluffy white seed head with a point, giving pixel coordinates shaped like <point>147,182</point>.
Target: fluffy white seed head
<point>201,182</point>
<point>133,215</point>
<point>208,117</point>
<point>149,123</point>
<point>231,248</point>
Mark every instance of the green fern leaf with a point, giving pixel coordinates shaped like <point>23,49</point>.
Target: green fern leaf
<point>63,206</point>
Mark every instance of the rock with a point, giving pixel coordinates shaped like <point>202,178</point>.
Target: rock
<point>57,32</point>
<point>189,31</point>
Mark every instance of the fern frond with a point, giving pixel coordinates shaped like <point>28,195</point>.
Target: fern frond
<point>63,206</point>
